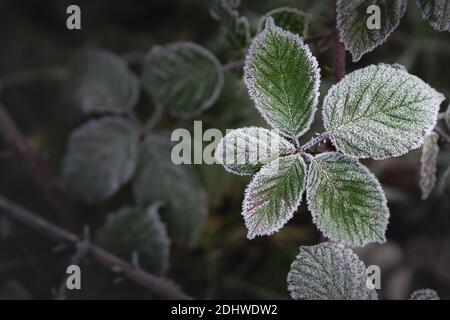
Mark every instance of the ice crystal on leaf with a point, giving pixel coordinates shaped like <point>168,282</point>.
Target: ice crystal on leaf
<point>273,195</point>
<point>328,271</point>
<point>428,163</point>
<point>283,79</point>
<point>437,12</point>
<point>424,294</point>
<point>380,111</point>
<point>346,200</point>
<point>289,19</point>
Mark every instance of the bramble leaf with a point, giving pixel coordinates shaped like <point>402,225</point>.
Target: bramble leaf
<point>379,112</point>
<point>283,79</point>
<point>183,77</point>
<point>354,18</point>
<point>100,158</point>
<point>131,230</point>
<point>424,294</point>
<point>289,19</point>
<point>244,151</point>
<point>437,12</point>
<point>103,83</point>
<point>346,200</point>
<point>328,271</point>
<point>428,163</point>
<point>158,179</point>
<point>273,195</point>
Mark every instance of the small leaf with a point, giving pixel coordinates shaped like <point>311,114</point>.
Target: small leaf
<point>289,19</point>
<point>182,77</point>
<point>130,230</point>
<point>328,271</point>
<point>103,83</point>
<point>101,157</point>
<point>353,20</point>
<point>158,179</point>
<point>379,112</point>
<point>283,79</point>
<point>273,195</point>
<point>346,200</point>
<point>243,151</point>
<point>424,294</point>
<point>437,12</point>
<point>428,163</point>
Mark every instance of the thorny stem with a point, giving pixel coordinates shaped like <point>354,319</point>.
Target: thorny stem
<point>338,51</point>
<point>442,134</point>
<point>160,286</point>
<point>315,140</point>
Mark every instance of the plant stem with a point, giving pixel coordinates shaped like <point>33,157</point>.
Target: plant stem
<point>233,65</point>
<point>338,51</point>
<point>442,134</point>
<point>315,140</point>
<point>157,285</point>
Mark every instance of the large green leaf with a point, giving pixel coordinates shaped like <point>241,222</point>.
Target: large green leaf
<point>103,83</point>
<point>424,294</point>
<point>289,19</point>
<point>131,231</point>
<point>273,195</point>
<point>101,156</point>
<point>182,77</point>
<point>428,162</point>
<point>352,20</point>
<point>380,111</point>
<point>283,79</point>
<point>159,179</point>
<point>328,271</point>
<point>437,12</point>
<point>243,151</point>
<point>346,200</point>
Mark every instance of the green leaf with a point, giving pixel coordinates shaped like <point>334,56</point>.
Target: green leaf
<point>379,112</point>
<point>244,151</point>
<point>328,271</point>
<point>103,83</point>
<point>182,77</point>
<point>283,79</point>
<point>428,163</point>
<point>273,195</point>
<point>346,200</point>
<point>437,12</point>
<point>289,19</point>
<point>424,294</point>
<point>159,179</point>
<point>101,156</point>
<point>353,20</point>
<point>131,231</point>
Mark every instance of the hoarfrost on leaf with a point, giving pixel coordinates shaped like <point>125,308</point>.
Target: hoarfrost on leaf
<point>346,200</point>
<point>273,195</point>
<point>283,79</point>
<point>424,294</point>
<point>428,163</point>
<point>289,19</point>
<point>328,271</point>
<point>379,112</point>
<point>352,19</point>
<point>243,151</point>
<point>182,77</point>
<point>437,12</point>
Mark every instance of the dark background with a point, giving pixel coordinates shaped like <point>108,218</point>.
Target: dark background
<point>224,264</point>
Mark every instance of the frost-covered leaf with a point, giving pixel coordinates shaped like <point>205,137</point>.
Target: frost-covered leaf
<point>424,294</point>
<point>103,83</point>
<point>131,231</point>
<point>437,12</point>
<point>283,79</point>
<point>101,156</point>
<point>346,200</point>
<point>353,21</point>
<point>182,77</point>
<point>234,27</point>
<point>428,162</point>
<point>380,111</point>
<point>289,19</point>
<point>243,151</point>
<point>328,271</point>
<point>273,195</point>
<point>159,179</point>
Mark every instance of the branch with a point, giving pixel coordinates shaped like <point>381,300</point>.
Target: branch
<point>233,65</point>
<point>442,134</point>
<point>157,285</point>
<point>338,51</point>
<point>315,140</point>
